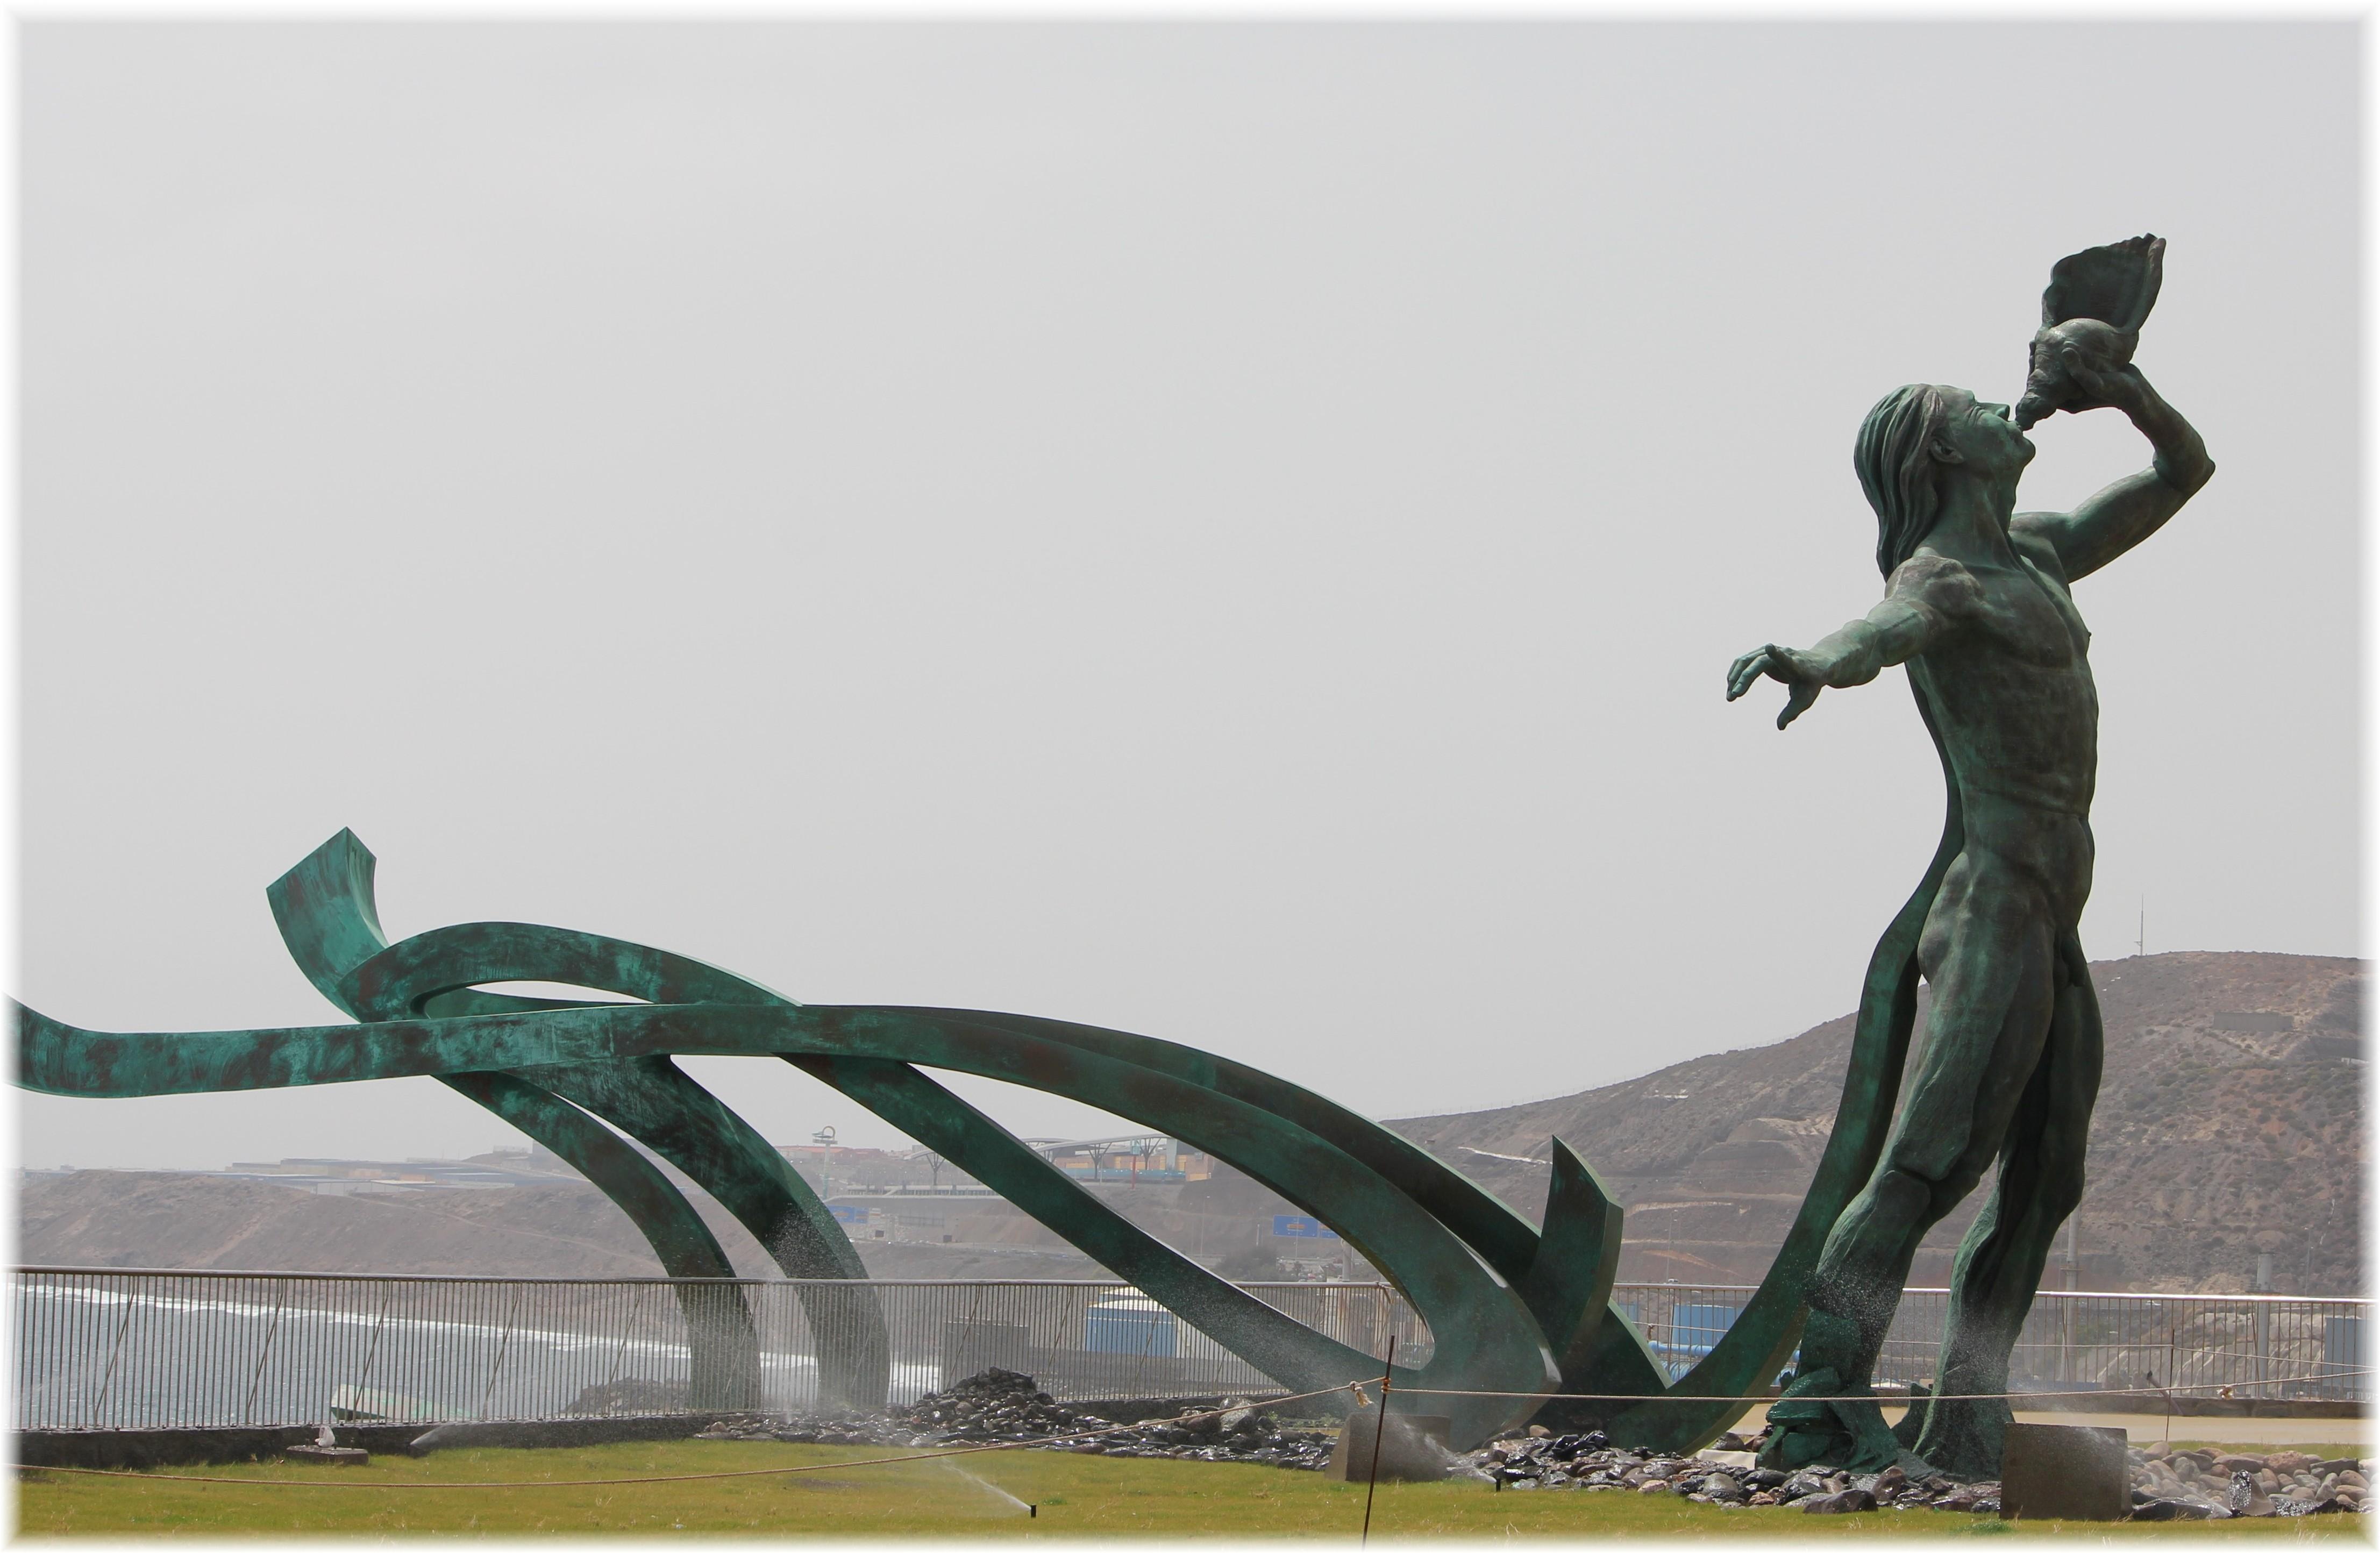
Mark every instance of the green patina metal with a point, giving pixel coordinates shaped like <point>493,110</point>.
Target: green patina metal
<point>724,1349</point>
<point>330,921</point>
<point>1281,1347</point>
<point>1978,606</point>
<point>1516,1312</point>
<point>434,970</point>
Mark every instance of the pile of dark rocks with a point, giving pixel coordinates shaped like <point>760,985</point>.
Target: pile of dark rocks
<point>1244,1433</point>
<point>1001,1406</point>
<point>2205,1485</point>
<point>2166,1484</point>
<point>1726,1476</point>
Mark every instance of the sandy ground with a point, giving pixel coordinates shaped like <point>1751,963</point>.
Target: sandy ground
<point>2146,1428</point>
<point>2229,1431</point>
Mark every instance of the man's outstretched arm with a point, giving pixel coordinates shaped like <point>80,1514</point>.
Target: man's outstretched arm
<point>1926,597</point>
<point>2114,519</point>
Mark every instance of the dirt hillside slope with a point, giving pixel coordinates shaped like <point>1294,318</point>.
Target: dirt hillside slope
<point>2229,1121</point>
<point>140,1218</point>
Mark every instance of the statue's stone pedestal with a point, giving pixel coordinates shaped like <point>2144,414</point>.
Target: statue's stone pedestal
<point>2062,1472</point>
<point>1412,1447</point>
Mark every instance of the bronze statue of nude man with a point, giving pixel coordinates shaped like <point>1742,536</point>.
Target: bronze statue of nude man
<point>1978,604</point>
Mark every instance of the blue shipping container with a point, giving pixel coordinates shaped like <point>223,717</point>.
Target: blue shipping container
<point>1129,1326</point>
<point>1694,1331</point>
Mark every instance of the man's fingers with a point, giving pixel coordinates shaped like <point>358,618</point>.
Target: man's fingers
<point>2080,374</point>
<point>1745,673</point>
<point>1797,701</point>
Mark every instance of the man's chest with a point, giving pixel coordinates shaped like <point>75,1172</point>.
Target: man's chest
<point>2026,616</point>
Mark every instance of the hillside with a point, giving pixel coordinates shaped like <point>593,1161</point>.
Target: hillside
<point>2229,1121</point>
<point>141,1218</point>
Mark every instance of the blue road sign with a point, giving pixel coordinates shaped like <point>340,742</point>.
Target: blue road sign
<point>1289,1226</point>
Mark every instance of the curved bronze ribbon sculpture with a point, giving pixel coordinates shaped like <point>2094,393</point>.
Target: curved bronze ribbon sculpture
<point>1519,1315</point>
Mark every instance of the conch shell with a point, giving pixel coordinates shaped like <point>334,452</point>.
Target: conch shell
<point>2097,302</point>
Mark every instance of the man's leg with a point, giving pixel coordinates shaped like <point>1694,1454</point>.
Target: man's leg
<point>1989,957</point>
<point>2000,1263</point>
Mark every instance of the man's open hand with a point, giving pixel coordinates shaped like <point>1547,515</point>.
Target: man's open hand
<point>1802,674</point>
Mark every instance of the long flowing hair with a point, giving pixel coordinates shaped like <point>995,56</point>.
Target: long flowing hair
<point>1898,472</point>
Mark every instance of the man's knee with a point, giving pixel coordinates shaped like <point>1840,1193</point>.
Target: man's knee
<point>1900,1194</point>
<point>1913,1197</point>
<point>1953,1188</point>
<point>1942,1165</point>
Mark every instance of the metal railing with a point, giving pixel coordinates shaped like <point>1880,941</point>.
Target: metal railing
<point>108,1348</point>
<point>2269,1347</point>
<point>102,1348</point>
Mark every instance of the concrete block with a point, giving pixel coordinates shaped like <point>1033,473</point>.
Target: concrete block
<point>117,1448</point>
<point>327,1455</point>
<point>1412,1447</point>
<point>2058,1471</point>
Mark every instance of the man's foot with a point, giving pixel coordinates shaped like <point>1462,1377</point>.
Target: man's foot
<point>1963,1436</point>
<point>1817,1423</point>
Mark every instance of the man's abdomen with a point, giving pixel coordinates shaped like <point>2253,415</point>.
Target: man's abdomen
<point>2022,733</point>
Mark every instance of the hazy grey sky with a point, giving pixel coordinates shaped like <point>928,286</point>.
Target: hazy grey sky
<point>1231,531</point>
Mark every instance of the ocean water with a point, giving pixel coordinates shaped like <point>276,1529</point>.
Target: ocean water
<point>103,1357</point>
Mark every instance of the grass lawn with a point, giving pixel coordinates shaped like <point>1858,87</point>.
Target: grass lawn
<point>968,1495</point>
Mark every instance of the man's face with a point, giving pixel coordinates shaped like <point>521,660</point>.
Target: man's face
<point>1983,434</point>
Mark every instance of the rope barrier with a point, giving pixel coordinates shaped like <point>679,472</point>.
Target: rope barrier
<point>1355,1386</point>
<point>1931,1396</point>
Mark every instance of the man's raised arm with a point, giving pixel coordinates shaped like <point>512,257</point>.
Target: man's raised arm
<point>2114,520</point>
<point>1926,597</point>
